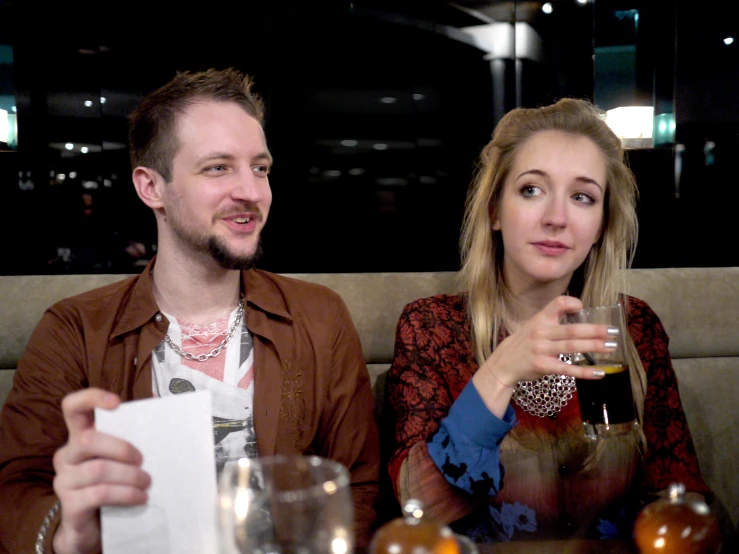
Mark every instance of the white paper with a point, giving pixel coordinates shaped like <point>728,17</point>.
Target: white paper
<point>175,436</point>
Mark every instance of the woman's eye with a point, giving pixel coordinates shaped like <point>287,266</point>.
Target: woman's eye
<point>584,198</point>
<point>530,190</point>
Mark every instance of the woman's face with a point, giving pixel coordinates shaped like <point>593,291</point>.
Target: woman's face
<point>551,208</point>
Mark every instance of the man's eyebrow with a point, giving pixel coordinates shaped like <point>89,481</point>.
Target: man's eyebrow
<point>264,156</point>
<point>541,173</point>
<point>230,157</point>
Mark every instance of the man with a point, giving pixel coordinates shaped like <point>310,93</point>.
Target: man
<point>281,357</point>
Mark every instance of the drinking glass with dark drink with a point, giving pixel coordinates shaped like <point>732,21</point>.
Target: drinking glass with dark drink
<point>606,405</point>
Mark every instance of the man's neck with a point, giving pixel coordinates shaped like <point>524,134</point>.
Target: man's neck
<point>195,292</point>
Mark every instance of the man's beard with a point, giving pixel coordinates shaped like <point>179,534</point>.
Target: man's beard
<point>219,251</point>
<point>217,248</point>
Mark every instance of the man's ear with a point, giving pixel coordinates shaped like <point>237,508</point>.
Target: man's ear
<point>149,186</point>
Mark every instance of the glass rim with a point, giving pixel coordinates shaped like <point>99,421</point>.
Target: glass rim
<point>340,477</point>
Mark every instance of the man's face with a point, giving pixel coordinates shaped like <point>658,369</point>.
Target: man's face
<point>219,198</point>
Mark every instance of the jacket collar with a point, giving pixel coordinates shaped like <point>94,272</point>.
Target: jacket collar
<point>260,290</point>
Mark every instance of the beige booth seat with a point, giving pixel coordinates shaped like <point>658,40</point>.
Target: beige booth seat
<point>699,308</point>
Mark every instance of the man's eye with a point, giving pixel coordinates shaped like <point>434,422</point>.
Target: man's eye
<point>216,168</point>
<point>261,169</point>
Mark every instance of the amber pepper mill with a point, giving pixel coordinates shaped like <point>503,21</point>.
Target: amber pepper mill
<point>677,525</point>
<point>413,535</point>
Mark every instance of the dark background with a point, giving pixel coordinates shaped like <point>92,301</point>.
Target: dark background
<point>376,113</point>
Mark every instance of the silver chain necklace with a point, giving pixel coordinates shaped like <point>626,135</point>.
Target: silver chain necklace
<point>546,395</point>
<point>217,350</point>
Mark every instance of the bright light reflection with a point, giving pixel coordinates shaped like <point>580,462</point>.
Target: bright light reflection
<point>339,546</point>
<point>394,548</point>
<point>241,504</point>
<point>547,8</point>
<point>72,174</point>
<point>14,109</point>
<point>349,142</point>
<point>88,103</point>
<point>582,1</point>
<point>728,40</point>
<point>69,146</point>
<point>330,487</point>
<point>380,146</point>
<point>659,543</point>
<point>103,100</point>
<point>84,149</point>
<point>4,126</point>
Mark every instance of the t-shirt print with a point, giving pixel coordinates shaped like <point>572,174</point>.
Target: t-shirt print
<point>229,376</point>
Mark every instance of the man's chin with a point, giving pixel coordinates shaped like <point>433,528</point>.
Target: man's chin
<point>232,260</point>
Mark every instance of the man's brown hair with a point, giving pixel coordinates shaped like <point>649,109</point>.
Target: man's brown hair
<point>152,131</point>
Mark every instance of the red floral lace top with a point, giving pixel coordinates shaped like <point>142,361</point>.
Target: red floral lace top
<point>529,479</point>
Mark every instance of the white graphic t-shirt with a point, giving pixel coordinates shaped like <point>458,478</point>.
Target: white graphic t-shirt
<point>229,376</point>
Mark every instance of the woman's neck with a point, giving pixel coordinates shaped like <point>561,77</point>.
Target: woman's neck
<point>529,297</point>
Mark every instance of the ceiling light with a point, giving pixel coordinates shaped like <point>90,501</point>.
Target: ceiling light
<point>103,100</point>
<point>728,40</point>
<point>634,125</point>
<point>84,150</point>
<point>349,142</point>
<point>417,96</point>
<point>380,146</point>
<point>69,146</point>
<point>88,103</point>
<point>388,100</point>
<point>547,8</point>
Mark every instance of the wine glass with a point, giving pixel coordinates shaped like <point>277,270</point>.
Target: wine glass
<point>285,505</point>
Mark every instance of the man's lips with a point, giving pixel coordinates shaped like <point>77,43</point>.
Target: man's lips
<point>242,221</point>
<point>551,247</point>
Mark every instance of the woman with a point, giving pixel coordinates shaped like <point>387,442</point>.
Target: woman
<point>549,225</point>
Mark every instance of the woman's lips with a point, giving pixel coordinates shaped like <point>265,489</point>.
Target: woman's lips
<point>551,248</point>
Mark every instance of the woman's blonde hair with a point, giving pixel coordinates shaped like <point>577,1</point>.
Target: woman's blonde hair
<point>600,278</point>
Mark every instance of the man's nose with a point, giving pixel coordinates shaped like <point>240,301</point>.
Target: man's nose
<point>247,186</point>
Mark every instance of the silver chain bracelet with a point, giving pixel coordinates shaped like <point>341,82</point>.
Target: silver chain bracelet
<point>44,529</point>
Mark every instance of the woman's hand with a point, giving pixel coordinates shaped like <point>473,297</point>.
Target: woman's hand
<point>534,349</point>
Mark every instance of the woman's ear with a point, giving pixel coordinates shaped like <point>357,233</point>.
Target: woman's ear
<point>494,219</point>
<point>149,186</point>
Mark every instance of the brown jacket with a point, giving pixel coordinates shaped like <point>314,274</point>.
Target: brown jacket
<point>312,389</point>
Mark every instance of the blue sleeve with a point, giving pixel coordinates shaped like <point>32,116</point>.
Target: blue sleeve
<point>466,445</point>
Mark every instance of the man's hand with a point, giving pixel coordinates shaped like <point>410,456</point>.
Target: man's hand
<point>92,470</point>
